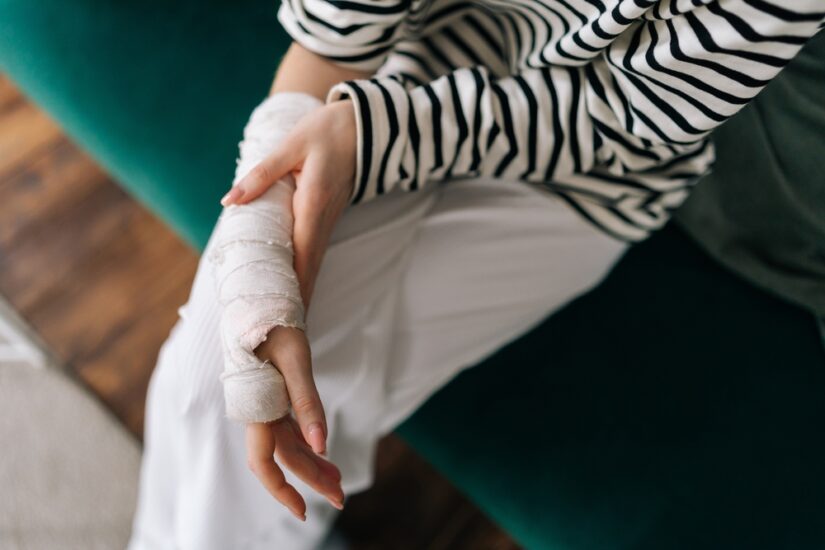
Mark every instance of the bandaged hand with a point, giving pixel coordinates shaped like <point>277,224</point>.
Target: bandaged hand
<point>267,358</point>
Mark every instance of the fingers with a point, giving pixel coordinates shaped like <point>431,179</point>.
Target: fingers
<point>327,467</point>
<point>260,448</point>
<point>295,454</point>
<point>295,364</point>
<point>285,158</point>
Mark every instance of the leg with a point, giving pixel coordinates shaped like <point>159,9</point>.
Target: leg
<point>491,261</point>
<point>196,491</point>
<point>415,287</point>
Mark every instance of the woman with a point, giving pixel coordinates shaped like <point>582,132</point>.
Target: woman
<point>559,131</point>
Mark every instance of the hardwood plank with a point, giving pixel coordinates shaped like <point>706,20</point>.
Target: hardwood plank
<point>26,131</point>
<point>9,95</point>
<point>44,231</point>
<point>115,262</point>
<point>33,201</point>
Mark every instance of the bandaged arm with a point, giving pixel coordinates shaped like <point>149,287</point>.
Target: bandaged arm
<point>252,257</point>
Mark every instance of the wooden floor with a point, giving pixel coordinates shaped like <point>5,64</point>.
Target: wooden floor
<point>100,279</point>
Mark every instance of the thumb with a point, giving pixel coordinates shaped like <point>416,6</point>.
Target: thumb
<point>280,162</point>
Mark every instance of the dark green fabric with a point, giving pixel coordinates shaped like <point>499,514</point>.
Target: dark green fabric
<point>762,211</point>
<point>674,407</point>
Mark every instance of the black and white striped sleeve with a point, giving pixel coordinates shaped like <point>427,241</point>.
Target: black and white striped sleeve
<point>353,33</point>
<point>638,111</point>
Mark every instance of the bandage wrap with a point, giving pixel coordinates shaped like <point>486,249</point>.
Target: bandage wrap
<point>252,258</point>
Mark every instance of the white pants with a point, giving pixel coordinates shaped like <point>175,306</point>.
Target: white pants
<point>414,288</point>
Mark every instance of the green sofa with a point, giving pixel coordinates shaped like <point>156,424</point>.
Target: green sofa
<point>681,406</point>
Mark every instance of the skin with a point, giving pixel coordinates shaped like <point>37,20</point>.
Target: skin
<point>321,153</point>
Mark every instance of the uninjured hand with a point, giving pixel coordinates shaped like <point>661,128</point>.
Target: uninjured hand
<point>320,152</point>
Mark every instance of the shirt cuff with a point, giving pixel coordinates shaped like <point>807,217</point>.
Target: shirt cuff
<point>381,120</point>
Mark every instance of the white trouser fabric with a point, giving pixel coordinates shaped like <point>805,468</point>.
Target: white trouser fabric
<point>415,287</point>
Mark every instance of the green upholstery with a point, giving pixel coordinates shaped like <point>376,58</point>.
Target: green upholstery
<point>157,91</point>
<point>676,406</point>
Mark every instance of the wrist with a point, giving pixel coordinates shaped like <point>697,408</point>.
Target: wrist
<point>346,126</point>
<point>270,122</point>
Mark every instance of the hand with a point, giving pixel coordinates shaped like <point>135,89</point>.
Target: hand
<point>287,439</point>
<point>320,151</point>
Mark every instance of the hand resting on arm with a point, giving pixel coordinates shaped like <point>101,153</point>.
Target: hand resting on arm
<point>263,295</point>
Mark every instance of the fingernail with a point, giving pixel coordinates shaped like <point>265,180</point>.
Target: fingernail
<point>316,437</point>
<point>299,515</point>
<point>234,194</point>
<point>336,504</point>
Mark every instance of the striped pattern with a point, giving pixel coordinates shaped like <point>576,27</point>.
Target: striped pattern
<point>608,103</point>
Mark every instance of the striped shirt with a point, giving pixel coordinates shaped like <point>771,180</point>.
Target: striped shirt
<point>607,103</point>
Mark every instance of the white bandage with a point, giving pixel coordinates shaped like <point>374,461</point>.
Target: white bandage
<point>252,258</point>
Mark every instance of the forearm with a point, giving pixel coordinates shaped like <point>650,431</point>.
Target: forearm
<point>304,71</point>
<point>258,283</point>
<point>253,266</point>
